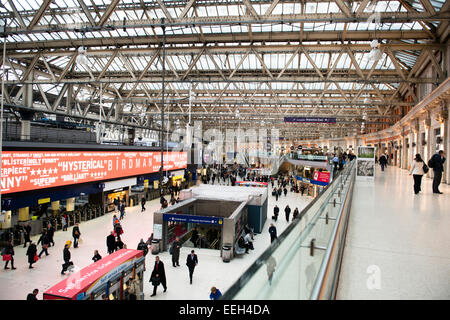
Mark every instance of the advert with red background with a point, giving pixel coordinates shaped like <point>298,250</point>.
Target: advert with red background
<point>29,170</point>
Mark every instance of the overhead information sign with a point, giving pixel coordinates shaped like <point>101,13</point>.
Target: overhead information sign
<point>192,219</point>
<point>30,170</point>
<point>309,120</point>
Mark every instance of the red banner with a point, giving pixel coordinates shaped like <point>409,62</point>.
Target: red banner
<point>29,170</point>
<point>322,176</point>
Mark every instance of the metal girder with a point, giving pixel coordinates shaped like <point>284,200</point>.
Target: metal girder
<point>343,7</point>
<point>86,12</point>
<point>362,6</point>
<point>186,9</point>
<point>164,9</point>
<point>385,17</point>
<point>12,47</point>
<point>38,16</point>
<point>251,9</point>
<point>108,12</point>
<point>17,14</point>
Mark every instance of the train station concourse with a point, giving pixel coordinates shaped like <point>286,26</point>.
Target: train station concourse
<point>240,150</point>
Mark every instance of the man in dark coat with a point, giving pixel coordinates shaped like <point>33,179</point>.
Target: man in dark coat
<point>142,246</point>
<point>66,258</point>
<point>111,243</point>
<point>191,262</point>
<point>285,191</point>
<point>438,167</point>
<point>276,210</point>
<point>383,161</point>
<point>287,211</point>
<point>160,273</point>
<point>45,243</point>
<point>76,235</point>
<point>50,234</point>
<point>143,204</point>
<point>31,253</point>
<point>176,245</point>
<point>194,237</point>
<point>32,296</point>
<point>272,232</point>
<point>26,234</point>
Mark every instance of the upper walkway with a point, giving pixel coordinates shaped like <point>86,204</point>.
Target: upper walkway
<point>398,243</point>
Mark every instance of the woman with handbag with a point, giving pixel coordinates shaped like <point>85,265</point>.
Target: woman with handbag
<point>45,243</point>
<point>32,255</point>
<point>417,171</point>
<point>8,255</point>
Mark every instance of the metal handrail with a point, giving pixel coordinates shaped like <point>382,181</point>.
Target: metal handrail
<point>325,266</point>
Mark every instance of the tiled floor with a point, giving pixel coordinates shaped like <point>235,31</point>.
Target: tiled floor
<point>211,271</point>
<point>398,243</point>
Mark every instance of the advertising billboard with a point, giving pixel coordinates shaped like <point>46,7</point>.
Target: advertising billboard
<point>30,170</point>
<point>322,176</point>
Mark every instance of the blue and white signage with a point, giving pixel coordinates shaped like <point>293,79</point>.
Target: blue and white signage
<point>192,219</point>
<point>309,120</point>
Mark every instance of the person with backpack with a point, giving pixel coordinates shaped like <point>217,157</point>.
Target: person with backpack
<point>76,235</point>
<point>437,163</point>
<point>45,243</point>
<point>115,220</point>
<point>417,171</point>
<point>143,246</point>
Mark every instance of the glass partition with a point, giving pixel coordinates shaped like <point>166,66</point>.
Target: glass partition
<point>295,266</point>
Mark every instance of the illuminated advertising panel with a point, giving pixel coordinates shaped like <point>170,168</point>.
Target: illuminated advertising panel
<point>30,170</point>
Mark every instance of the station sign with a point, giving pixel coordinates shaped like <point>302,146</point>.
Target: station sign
<point>312,157</point>
<point>309,120</point>
<point>192,219</point>
<point>31,170</point>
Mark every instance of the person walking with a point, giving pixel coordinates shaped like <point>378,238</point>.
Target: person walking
<point>295,214</point>
<point>50,234</point>
<point>96,256</point>
<point>66,258</point>
<point>45,243</point>
<point>76,235</point>
<point>176,246</point>
<point>382,161</point>
<point>143,204</point>
<point>158,276</point>
<point>276,211</point>
<point>31,254</point>
<point>26,234</point>
<point>273,233</point>
<point>276,194</point>
<point>194,237</point>
<point>437,162</point>
<point>280,191</point>
<point>8,255</point>
<point>191,262</point>
<point>142,246</point>
<point>111,242</point>
<point>215,294</point>
<point>122,210</point>
<point>417,172</point>
<point>287,211</point>
<point>285,191</point>
<point>32,296</point>
<point>115,220</point>
<point>64,222</point>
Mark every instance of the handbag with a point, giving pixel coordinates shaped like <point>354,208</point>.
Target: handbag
<point>425,168</point>
<point>7,257</point>
<point>45,246</point>
<point>36,258</point>
<point>170,250</point>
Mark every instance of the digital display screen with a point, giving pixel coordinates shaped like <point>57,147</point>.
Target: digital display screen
<point>30,170</point>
